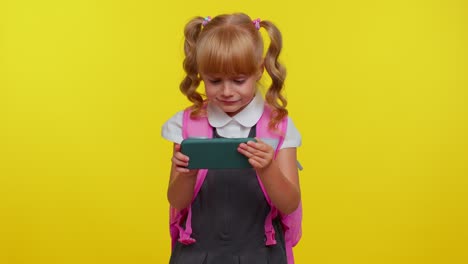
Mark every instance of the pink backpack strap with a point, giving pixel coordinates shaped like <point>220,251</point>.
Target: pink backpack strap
<point>191,127</point>
<point>292,222</point>
<point>195,127</point>
<point>292,231</point>
<point>263,131</point>
<point>185,235</point>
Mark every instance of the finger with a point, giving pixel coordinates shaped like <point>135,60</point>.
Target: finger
<point>177,147</point>
<point>181,156</point>
<point>179,164</point>
<point>259,146</point>
<point>261,160</point>
<point>255,163</point>
<point>177,150</point>
<point>252,144</point>
<point>182,170</point>
<point>251,151</point>
<point>259,140</point>
<point>247,150</point>
<point>244,152</point>
<point>243,145</point>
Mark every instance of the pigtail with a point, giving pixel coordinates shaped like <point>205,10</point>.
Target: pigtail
<point>277,73</point>
<point>190,83</point>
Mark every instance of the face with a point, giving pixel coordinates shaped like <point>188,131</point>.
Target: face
<point>230,93</point>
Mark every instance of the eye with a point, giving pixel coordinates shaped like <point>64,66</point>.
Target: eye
<point>239,81</point>
<point>214,81</point>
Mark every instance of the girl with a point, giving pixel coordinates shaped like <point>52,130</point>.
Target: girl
<point>229,211</point>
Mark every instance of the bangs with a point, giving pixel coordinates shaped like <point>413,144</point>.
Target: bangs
<point>228,52</point>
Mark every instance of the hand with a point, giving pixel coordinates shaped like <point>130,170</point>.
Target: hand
<point>181,161</point>
<point>259,153</point>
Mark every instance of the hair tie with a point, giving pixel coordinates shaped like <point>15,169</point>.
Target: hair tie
<point>256,23</point>
<point>206,20</point>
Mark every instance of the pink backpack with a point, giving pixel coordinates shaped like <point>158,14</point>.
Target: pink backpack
<point>291,223</point>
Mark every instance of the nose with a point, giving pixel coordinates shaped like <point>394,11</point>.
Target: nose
<point>227,89</point>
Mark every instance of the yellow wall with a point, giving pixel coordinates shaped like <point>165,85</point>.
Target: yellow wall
<point>378,90</point>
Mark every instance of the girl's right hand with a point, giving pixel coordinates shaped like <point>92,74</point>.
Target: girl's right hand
<point>180,162</point>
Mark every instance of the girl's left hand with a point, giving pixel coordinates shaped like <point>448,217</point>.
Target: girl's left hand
<point>259,153</point>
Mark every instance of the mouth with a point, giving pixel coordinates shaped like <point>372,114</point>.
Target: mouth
<point>228,102</point>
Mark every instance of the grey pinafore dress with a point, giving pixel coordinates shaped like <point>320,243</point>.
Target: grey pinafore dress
<point>228,218</point>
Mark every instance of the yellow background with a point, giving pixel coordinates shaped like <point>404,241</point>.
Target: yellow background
<point>378,90</point>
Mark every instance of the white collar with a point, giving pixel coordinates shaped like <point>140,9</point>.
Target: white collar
<point>248,117</point>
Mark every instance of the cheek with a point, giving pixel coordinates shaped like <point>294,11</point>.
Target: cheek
<point>249,92</point>
<point>210,92</point>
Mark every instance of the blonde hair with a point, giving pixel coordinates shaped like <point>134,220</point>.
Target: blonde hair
<point>232,45</point>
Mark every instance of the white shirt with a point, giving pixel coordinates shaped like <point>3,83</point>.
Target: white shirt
<point>237,126</point>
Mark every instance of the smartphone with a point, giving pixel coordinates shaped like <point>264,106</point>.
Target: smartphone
<point>215,153</point>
